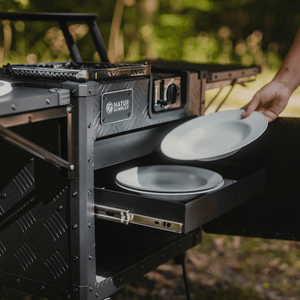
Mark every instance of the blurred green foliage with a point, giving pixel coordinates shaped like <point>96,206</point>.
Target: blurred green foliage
<point>232,31</point>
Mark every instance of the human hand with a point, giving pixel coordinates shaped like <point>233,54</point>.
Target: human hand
<point>269,100</point>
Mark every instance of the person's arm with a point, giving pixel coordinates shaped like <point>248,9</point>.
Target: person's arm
<point>273,97</point>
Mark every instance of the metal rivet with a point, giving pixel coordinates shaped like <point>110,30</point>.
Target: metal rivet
<point>73,91</point>
<point>74,194</point>
<point>69,109</point>
<point>96,295</point>
<point>90,225</point>
<point>90,91</point>
<point>75,290</point>
<point>90,257</point>
<point>3,196</point>
<point>48,101</point>
<point>104,119</point>
<point>75,226</point>
<point>42,288</point>
<point>60,208</point>
<point>13,107</point>
<point>68,296</point>
<point>91,289</point>
<point>89,159</point>
<point>129,114</point>
<point>75,258</point>
<point>89,125</point>
<point>17,281</point>
<point>89,193</point>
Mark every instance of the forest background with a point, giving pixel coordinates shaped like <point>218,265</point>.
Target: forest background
<point>246,32</point>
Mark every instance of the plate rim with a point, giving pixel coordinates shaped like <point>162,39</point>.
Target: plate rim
<point>218,178</point>
<point>221,184</point>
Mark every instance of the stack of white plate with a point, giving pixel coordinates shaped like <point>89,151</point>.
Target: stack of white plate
<point>169,182</point>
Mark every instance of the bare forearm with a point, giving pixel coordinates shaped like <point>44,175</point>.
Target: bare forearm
<point>289,72</point>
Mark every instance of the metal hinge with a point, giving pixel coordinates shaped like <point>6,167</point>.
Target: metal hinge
<point>125,217</point>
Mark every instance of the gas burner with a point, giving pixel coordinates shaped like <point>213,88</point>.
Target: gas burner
<point>77,71</point>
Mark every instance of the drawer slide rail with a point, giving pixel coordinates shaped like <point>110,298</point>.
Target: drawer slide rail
<point>125,217</point>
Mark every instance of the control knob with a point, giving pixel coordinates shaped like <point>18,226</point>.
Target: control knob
<point>172,94</point>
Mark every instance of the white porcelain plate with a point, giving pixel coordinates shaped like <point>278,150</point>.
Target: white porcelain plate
<point>172,196</point>
<point>5,88</point>
<point>213,136</point>
<point>168,178</point>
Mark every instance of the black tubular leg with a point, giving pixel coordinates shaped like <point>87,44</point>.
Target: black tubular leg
<point>74,53</point>
<point>180,260</point>
<point>98,41</point>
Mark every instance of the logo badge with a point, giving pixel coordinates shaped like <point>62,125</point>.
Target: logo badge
<point>109,108</point>
<point>116,106</point>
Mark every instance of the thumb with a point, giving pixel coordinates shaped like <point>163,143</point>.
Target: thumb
<point>251,107</point>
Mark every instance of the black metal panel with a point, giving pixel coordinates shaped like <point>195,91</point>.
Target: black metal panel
<point>275,213</point>
<point>140,115</point>
<point>34,226</point>
<point>125,253</point>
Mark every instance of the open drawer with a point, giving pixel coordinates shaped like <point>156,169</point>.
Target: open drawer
<point>242,183</point>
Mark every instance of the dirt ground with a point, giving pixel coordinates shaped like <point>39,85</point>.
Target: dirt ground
<point>221,267</point>
<point>227,268</point>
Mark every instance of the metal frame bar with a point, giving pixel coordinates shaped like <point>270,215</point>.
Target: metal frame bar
<point>35,116</point>
<point>63,18</point>
<point>30,147</point>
